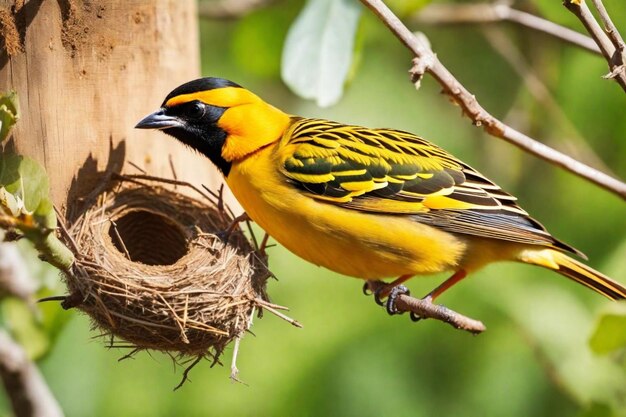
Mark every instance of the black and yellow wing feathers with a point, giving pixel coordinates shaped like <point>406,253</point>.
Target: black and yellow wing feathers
<point>397,173</point>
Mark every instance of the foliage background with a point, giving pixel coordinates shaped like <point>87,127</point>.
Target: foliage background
<point>353,360</point>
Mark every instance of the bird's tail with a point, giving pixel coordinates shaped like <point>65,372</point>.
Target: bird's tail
<point>576,271</point>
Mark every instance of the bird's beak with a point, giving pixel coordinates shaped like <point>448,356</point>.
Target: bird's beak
<point>158,120</point>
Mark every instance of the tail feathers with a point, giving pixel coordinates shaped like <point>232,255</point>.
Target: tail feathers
<point>576,271</point>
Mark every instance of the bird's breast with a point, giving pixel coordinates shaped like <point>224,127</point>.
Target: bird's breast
<point>359,244</point>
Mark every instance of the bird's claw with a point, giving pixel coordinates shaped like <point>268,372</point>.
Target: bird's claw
<point>378,295</point>
<point>366,289</point>
<point>379,292</point>
<point>391,299</point>
<point>415,317</point>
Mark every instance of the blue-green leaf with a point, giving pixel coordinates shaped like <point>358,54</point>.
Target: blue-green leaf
<point>318,49</point>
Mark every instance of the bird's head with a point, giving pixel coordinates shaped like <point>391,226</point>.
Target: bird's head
<point>218,118</point>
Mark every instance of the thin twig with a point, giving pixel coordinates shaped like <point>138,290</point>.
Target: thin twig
<point>137,167</point>
<point>441,13</point>
<point>570,136</point>
<point>187,370</point>
<point>120,240</point>
<point>426,61</point>
<point>173,169</point>
<point>614,57</point>
<point>426,309</point>
<point>268,306</point>
<point>234,371</point>
<point>609,26</point>
<point>64,229</point>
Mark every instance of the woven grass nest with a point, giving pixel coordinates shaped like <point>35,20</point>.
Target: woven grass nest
<point>150,269</point>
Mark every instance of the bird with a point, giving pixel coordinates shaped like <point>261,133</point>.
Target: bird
<point>367,203</point>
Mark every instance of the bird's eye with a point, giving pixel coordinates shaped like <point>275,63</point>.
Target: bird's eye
<point>196,111</point>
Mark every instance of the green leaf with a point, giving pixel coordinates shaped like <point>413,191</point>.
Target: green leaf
<point>25,179</point>
<point>318,49</point>
<point>609,334</point>
<point>9,109</point>
<point>24,190</point>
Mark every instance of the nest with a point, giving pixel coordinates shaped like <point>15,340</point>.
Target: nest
<point>151,269</point>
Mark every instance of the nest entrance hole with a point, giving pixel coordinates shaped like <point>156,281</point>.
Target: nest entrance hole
<point>149,238</point>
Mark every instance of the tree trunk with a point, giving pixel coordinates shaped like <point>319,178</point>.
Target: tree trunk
<point>85,73</point>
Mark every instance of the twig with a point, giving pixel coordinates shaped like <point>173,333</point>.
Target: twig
<point>426,309</point>
<point>480,117</point>
<point>137,167</point>
<point>268,306</point>
<point>229,9</point>
<point>611,45</point>
<point>25,387</point>
<point>65,230</point>
<point>172,168</point>
<point>570,136</point>
<point>234,371</point>
<point>187,370</point>
<point>609,26</point>
<point>498,12</point>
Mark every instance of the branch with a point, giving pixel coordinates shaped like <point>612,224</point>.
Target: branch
<point>609,26</point>
<point>428,310</point>
<point>426,61</point>
<point>610,42</point>
<point>25,387</point>
<point>570,136</point>
<point>499,12</point>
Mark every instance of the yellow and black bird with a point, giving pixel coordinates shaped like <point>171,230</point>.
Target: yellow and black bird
<point>368,203</point>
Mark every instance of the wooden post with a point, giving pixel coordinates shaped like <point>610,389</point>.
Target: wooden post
<point>85,73</point>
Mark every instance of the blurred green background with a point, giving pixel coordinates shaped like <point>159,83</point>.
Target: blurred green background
<point>351,359</point>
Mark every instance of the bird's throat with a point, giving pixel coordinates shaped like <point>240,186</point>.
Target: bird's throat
<point>251,127</point>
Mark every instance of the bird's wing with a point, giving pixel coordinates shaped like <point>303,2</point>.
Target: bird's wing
<point>398,173</point>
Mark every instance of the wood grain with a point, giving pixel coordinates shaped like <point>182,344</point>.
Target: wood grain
<point>88,71</point>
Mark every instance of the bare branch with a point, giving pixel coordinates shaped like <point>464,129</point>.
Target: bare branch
<point>614,56</point>
<point>25,387</point>
<point>498,12</point>
<point>426,309</point>
<point>570,136</point>
<point>480,117</point>
<point>609,26</point>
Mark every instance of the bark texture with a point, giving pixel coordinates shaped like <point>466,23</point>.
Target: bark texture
<point>86,72</point>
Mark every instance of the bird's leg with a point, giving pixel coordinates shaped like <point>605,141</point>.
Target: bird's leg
<point>456,277</point>
<point>225,234</point>
<point>263,244</point>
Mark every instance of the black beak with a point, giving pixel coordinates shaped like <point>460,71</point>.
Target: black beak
<point>158,120</point>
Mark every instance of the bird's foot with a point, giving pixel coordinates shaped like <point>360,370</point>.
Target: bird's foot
<point>382,290</point>
<point>391,299</point>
